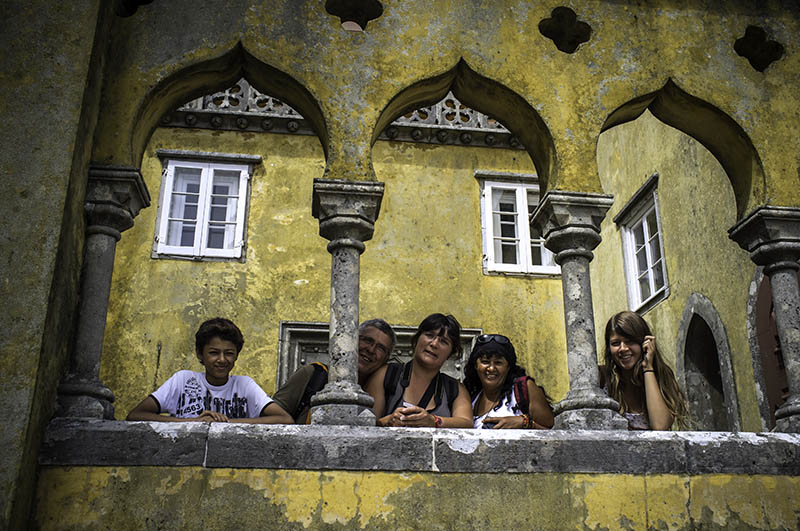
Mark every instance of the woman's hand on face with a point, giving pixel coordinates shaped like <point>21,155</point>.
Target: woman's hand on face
<point>648,350</point>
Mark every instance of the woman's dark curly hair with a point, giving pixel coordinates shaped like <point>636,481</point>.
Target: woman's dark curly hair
<point>492,348</point>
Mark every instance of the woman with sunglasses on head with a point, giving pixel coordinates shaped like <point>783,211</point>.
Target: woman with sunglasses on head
<point>418,394</point>
<point>636,376</point>
<point>503,396</point>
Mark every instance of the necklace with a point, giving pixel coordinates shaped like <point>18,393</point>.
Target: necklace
<point>483,399</point>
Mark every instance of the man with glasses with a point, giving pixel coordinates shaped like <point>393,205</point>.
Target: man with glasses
<point>376,339</point>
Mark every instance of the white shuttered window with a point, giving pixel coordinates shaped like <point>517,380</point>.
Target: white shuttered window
<point>508,246</point>
<point>202,211</point>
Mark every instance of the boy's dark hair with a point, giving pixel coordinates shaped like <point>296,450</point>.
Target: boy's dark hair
<point>221,328</point>
<point>449,326</point>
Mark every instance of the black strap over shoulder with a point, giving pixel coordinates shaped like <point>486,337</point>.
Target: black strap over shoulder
<point>315,384</point>
<point>396,373</point>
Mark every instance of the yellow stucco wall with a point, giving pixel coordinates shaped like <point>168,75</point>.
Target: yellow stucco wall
<point>631,53</point>
<point>425,257</point>
<point>697,208</point>
<point>191,498</point>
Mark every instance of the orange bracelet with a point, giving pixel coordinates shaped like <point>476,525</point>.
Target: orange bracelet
<point>438,422</point>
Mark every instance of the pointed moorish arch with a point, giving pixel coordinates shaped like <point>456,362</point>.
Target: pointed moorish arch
<point>217,74</point>
<point>704,366</point>
<point>484,95</point>
<point>710,126</point>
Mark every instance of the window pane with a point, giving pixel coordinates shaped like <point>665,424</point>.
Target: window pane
<point>223,209</point>
<point>658,275</point>
<point>509,253</point>
<point>641,260</point>
<point>533,201</point>
<point>536,253</point>
<point>220,236</point>
<point>508,228</point>
<point>638,235</point>
<point>655,249</point>
<point>181,228</point>
<point>644,287</point>
<point>180,233</point>
<point>652,226</point>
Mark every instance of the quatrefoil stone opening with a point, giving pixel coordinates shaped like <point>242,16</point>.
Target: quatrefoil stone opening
<point>757,49</point>
<point>565,30</point>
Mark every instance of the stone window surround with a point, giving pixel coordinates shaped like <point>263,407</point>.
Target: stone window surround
<point>301,343</point>
<point>701,306</point>
<point>513,179</point>
<point>168,155</point>
<point>632,212</point>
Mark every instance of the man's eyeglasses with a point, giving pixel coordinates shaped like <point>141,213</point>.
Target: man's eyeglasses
<point>497,338</point>
<point>371,343</point>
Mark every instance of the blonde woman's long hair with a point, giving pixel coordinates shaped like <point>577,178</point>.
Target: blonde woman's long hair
<point>633,327</point>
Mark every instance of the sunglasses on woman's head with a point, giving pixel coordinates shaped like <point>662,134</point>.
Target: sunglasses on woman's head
<point>497,338</point>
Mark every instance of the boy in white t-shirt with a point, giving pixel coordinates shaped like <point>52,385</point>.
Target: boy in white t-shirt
<point>215,396</point>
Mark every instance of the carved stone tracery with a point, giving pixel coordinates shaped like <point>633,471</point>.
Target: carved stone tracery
<point>230,108</point>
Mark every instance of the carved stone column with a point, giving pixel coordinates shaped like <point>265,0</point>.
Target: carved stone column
<point>114,195</point>
<point>346,211</point>
<point>570,224</point>
<point>772,237</point>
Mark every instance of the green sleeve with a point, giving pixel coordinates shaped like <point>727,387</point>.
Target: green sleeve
<point>289,396</point>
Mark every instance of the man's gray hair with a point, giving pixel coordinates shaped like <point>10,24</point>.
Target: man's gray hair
<point>384,327</point>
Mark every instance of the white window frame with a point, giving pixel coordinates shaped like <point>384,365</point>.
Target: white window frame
<point>632,215</point>
<point>207,163</point>
<point>520,184</point>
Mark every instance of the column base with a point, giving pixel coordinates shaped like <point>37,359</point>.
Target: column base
<point>787,417</point>
<point>588,409</point>
<point>590,419</point>
<point>85,399</point>
<point>342,403</point>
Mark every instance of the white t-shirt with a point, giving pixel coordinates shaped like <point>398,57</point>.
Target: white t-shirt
<point>506,408</point>
<point>187,394</point>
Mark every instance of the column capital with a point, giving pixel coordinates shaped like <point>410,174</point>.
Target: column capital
<point>346,210</point>
<point>570,222</point>
<point>771,235</point>
<point>114,196</point>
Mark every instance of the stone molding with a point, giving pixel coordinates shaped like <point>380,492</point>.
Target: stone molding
<point>90,442</point>
<point>570,222</point>
<point>771,235</point>
<point>120,186</point>
<point>347,210</point>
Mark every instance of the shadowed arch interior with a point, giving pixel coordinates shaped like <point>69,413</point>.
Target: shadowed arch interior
<point>486,96</point>
<point>714,129</point>
<point>202,78</point>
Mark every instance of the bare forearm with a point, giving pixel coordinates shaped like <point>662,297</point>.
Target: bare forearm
<point>657,410</point>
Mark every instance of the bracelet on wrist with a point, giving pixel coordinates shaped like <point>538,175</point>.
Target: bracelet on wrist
<point>438,422</point>
<point>527,422</point>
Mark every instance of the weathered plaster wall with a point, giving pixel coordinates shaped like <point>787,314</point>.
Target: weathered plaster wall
<point>631,53</point>
<point>50,82</point>
<point>697,208</point>
<point>191,497</point>
<point>425,257</point>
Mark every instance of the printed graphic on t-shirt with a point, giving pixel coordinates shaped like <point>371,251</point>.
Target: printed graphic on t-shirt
<point>195,399</point>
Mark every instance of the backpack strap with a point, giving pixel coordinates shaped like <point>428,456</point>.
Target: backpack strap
<point>450,389</point>
<point>390,381</point>
<point>520,386</point>
<point>315,384</point>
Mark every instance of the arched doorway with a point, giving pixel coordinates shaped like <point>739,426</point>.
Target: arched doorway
<point>703,360</point>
